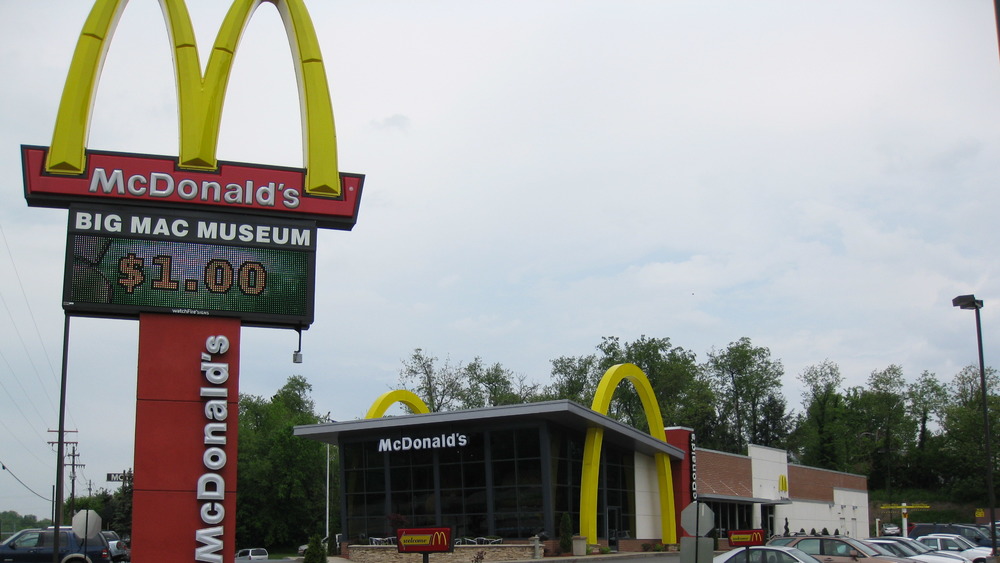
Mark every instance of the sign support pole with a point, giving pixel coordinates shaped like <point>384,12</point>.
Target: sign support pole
<point>60,449</point>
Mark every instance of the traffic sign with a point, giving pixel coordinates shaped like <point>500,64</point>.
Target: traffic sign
<point>697,519</point>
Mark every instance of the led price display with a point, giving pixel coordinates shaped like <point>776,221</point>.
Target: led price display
<point>122,262</point>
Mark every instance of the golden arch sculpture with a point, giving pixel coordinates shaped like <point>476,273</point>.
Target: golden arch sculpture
<point>390,398</point>
<point>200,96</point>
<point>592,453</point>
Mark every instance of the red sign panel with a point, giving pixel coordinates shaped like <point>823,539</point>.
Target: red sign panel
<point>125,178</point>
<point>743,538</point>
<point>423,540</point>
<point>186,434</point>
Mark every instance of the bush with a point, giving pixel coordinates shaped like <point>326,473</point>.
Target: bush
<point>315,551</point>
<point>565,534</point>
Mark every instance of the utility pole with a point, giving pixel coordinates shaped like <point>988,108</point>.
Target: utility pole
<point>61,463</point>
<point>72,478</point>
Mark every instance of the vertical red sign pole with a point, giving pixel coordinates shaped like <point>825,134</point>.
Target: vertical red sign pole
<point>186,423</point>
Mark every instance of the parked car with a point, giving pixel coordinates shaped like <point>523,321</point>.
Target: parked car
<point>838,549</point>
<point>957,544</point>
<point>35,544</point>
<point>252,554</point>
<point>890,529</point>
<point>968,531</point>
<point>119,549</point>
<point>901,549</point>
<point>765,554</point>
<point>926,549</point>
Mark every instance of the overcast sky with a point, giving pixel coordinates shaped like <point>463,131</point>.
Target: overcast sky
<point>820,177</point>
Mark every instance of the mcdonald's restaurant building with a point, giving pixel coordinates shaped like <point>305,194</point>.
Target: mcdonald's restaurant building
<point>511,472</point>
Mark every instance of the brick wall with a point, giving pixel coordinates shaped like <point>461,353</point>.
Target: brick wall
<point>724,474</point>
<point>810,483</point>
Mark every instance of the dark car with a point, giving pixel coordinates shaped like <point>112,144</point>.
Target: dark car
<point>36,545</point>
<point>968,531</point>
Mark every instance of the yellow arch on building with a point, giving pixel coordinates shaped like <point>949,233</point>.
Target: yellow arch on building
<point>389,398</point>
<point>592,452</point>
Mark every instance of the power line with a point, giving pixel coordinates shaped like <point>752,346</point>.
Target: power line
<point>7,469</point>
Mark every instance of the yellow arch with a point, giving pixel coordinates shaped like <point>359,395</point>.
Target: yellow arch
<point>200,97</point>
<point>592,453</point>
<point>390,398</point>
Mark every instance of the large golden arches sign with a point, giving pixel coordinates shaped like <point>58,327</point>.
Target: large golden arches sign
<point>200,98</point>
<point>389,398</point>
<point>592,453</point>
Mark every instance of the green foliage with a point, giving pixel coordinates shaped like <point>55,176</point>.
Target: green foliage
<point>282,478</point>
<point>11,522</point>
<point>315,551</point>
<point>747,383</point>
<point>574,379</point>
<point>565,534</point>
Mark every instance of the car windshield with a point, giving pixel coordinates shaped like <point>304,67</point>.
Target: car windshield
<point>960,540</point>
<point>882,549</point>
<point>906,550</point>
<point>866,549</point>
<point>914,545</point>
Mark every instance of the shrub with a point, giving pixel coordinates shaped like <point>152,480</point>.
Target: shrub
<point>315,551</point>
<point>565,534</point>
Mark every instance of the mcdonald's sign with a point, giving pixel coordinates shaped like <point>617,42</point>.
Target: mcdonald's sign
<point>424,540</point>
<point>743,538</point>
<point>66,172</point>
<point>783,486</point>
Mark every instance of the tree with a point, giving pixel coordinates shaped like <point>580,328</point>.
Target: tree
<point>821,432</point>
<point>745,378</point>
<point>928,400</point>
<point>878,420</point>
<point>440,388</point>
<point>963,425</point>
<point>490,386</point>
<point>574,379</point>
<point>282,483</point>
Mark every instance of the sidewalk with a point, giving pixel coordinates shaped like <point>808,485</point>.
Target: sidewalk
<point>670,556</point>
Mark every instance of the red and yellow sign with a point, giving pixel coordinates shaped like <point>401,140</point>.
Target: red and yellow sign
<point>423,540</point>
<point>132,179</point>
<point>66,172</point>
<point>743,538</point>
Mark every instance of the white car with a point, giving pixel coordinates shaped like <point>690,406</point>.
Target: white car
<point>921,548</point>
<point>901,549</point>
<point>956,543</point>
<point>765,554</point>
<point>252,554</point>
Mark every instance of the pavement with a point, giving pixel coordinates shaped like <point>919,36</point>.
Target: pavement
<point>670,556</point>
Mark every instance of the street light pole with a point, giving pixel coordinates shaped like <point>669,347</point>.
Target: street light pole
<point>970,302</point>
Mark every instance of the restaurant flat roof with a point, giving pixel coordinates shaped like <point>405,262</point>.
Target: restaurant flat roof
<point>563,412</point>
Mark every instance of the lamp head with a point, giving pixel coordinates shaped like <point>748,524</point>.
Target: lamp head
<point>967,302</point>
